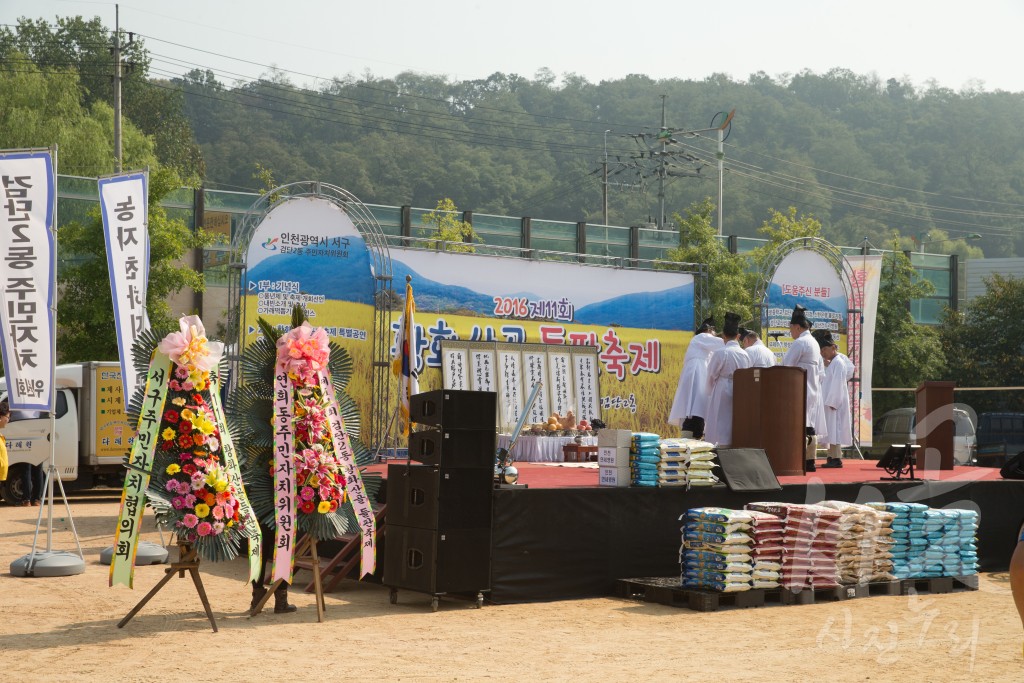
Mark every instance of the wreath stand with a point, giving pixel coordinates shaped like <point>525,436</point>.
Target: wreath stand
<point>188,560</point>
<point>305,555</point>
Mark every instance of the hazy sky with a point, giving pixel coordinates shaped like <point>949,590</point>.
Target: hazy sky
<point>955,44</point>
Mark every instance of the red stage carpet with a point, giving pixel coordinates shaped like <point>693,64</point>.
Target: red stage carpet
<point>550,475</point>
<point>559,475</point>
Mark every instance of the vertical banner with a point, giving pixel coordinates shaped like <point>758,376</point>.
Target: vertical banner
<point>284,477</point>
<point>867,271</point>
<point>27,269</point>
<point>510,390</point>
<point>536,372</point>
<point>140,467</point>
<point>456,375</point>
<point>124,204</point>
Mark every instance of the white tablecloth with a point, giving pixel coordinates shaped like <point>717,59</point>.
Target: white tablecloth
<point>541,448</point>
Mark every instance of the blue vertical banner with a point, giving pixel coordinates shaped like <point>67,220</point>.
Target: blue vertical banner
<point>28,258</point>
<point>124,204</point>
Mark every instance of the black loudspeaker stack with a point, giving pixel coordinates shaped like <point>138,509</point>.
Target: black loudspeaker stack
<point>439,512</point>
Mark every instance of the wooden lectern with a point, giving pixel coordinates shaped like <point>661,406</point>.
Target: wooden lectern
<point>768,412</point>
<point>934,427</point>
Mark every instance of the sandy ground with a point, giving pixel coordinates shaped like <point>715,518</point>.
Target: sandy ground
<point>60,629</point>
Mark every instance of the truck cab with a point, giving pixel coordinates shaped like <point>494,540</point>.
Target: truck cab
<point>92,435</point>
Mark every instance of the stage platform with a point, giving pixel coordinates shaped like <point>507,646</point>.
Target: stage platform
<point>563,537</point>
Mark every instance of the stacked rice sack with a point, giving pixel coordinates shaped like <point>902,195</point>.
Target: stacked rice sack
<point>768,531</point>
<point>809,543</point>
<point>864,542</point>
<point>716,549</point>
<point>964,528</point>
<point>644,456</point>
<point>909,537</point>
<point>686,462</point>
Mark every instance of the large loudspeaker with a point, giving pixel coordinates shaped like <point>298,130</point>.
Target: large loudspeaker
<point>431,561</point>
<point>745,469</point>
<point>433,498</point>
<point>455,409</point>
<point>439,529</point>
<point>454,447</point>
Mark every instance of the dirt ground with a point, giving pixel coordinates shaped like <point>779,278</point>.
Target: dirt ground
<point>65,629</point>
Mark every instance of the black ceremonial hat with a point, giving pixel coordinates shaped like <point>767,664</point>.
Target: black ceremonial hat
<point>744,332</point>
<point>798,317</point>
<point>823,337</point>
<point>709,323</point>
<point>732,324</point>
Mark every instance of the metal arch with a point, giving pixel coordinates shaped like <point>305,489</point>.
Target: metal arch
<point>376,243</point>
<point>854,292</point>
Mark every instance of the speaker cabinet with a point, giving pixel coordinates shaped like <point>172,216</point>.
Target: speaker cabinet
<point>432,561</point>
<point>428,497</point>
<point>455,409</point>
<point>454,447</point>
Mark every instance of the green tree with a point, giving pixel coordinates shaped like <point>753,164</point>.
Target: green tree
<point>730,286</point>
<point>75,45</point>
<point>780,228</point>
<point>906,353</point>
<point>85,329</point>
<point>449,228</point>
<point>982,344</point>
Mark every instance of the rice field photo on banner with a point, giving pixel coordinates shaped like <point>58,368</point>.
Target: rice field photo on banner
<point>308,251</point>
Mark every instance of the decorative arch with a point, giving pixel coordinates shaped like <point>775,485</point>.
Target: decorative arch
<point>381,273</point>
<point>854,293</point>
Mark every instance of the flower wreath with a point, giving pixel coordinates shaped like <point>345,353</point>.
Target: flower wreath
<point>292,401</point>
<point>194,477</point>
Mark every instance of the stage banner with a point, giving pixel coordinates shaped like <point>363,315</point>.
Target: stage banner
<point>124,206</point>
<point>867,271</point>
<point>28,253</point>
<point>308,251</point>
<point>807,278</point>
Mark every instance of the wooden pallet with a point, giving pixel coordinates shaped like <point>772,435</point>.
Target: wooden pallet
<point>669,591</point>
<point>939,584</point>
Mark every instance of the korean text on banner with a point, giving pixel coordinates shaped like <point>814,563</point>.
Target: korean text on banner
<point>27,263</point>
<point>125,208</point>
<point>405,365</point>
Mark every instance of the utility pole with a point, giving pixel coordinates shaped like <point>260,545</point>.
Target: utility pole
<point>117,88</point>
<point>663,135</point>
<point>604,181</point>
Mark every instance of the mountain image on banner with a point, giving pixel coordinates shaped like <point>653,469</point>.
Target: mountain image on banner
<point>341,279</point>
<point>670,309</point>
<point>835,304</point>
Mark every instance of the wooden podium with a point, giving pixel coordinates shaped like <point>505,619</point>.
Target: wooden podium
<point>768,412</point>
<point>935,428</point>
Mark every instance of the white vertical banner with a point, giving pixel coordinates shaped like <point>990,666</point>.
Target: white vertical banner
<point>28,257</point>
<point>867,271</point>
<point>124,203</point>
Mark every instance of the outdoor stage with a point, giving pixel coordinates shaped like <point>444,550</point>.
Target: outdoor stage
<point>564,537</point>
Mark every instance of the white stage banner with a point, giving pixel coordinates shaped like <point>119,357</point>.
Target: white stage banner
<point>124,203</point>
<point>28,252</point>
<point>867,270</point>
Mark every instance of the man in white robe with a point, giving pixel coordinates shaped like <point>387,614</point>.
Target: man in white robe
<point>760,355</point>
<point>835,394</point>
<point>805,353</point>
<point>723,363</point>
<point>689,406</point>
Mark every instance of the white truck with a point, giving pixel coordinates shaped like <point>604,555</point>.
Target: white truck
<point>92,431</point>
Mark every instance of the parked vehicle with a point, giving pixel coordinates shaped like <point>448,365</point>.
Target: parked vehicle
<point>1000,437</point>
<point>898,426</point>
<point>92,431</point>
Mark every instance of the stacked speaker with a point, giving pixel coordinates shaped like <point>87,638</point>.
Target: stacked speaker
<point>439,512</point>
